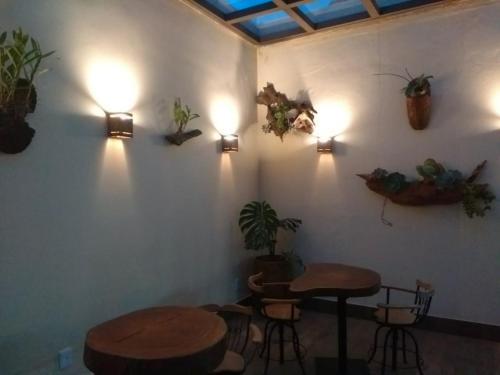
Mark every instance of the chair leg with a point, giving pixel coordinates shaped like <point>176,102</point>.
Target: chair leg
<point>386,340</point>
<point>375,343</point>
<point>265,343</point>
<point>417,353</point>
<point>282,343</point>
<point>296,348</point>
<point>268,358</point>
<point>395,350</point>
<point>405,360</point>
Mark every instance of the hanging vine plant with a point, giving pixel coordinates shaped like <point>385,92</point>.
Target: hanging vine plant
<point>284,115</point>
<point>436,186</point>
<point>20,61</point>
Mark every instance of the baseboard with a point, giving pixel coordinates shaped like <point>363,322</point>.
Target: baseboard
<point>431,323</point>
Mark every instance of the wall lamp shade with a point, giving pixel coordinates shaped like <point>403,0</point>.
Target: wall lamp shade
<point>230,143</point>
<point>325,145</point>
<point>120,125</point>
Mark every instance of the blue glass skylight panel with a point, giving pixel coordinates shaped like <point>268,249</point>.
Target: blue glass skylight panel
<point>386,6</point>
<point>270,24</point>
<point>230,6</point>
<point>329,11</point>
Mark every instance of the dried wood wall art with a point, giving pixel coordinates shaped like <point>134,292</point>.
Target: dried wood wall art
<point>284,115</point>
<point>437,186</point>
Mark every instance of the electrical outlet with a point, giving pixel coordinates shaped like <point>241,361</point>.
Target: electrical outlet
<point>65,358</point>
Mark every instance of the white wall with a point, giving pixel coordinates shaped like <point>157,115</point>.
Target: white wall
<point>91,228</point>
<point>368,115</point>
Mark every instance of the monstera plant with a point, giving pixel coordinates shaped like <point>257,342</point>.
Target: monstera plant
<point>20,63</point>
<point>259,223</point>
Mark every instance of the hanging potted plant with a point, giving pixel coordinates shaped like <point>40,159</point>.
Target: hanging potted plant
<point>260,224</point>
<point>418,99</point>
<point>20,60</point>
<point>182,116</point>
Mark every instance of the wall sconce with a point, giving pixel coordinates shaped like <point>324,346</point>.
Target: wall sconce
<point>325,145</point>
<point>230,143</point>
<point>120,124</point>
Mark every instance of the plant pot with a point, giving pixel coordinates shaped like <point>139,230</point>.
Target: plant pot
<point>15,134</point>
<point>274,267</point>
<point>419,111</point>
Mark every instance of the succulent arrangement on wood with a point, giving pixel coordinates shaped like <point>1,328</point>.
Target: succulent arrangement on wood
<point>182,116</point>
<point>284,115</point>
<point>418,99</point>
<point>436,186</point>
<point>20,63</point>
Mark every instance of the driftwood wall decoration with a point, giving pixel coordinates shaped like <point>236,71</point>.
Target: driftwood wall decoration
<point>284,115</point>
<point>182,116</point>
<point>437,186</point>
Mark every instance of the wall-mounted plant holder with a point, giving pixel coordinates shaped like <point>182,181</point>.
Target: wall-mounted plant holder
<point>230,143</point>
<point>418,99</point>
<point>284,115</point>
<point>182,116</point>
<point>20,64</point>
<point>437,186</point>
<point>180,137</point>
<point>120,125</point>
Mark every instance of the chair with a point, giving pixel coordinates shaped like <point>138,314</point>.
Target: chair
<point>240,332</point>
<point>276,304</point>
<point>397,318</point>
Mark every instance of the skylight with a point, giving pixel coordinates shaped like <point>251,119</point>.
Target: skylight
<point>264,21</point>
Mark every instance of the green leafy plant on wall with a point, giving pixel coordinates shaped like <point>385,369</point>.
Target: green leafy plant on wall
<point>259,223</point>
<point>21,57</point>
<point>437,185</point>
<point>182,116</point>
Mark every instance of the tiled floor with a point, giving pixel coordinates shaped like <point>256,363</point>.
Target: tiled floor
<point>443,354</point>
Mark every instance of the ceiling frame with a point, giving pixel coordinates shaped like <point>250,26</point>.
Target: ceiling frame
<point>306,27</point>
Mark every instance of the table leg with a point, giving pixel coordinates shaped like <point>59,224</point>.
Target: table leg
<point>342,333</point>
<point>341,365</point>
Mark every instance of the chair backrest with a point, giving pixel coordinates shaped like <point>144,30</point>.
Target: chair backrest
<point>423,298</point>
<point>238,319</point>
<point>255,283</point>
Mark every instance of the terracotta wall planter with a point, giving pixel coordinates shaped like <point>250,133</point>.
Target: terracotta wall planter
<point>419,111</point>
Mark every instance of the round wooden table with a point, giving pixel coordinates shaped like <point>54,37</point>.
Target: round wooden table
<point>160,340</point>
<point>341,281</point>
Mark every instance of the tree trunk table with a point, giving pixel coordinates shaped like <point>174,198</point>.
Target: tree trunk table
<point>343,282</point>
<point>160,340</point>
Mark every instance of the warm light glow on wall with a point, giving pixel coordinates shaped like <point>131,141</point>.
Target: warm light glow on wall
<point>495,103</point>
<point>113,85</point>
<point>332,119</point>
<point>224,115</point>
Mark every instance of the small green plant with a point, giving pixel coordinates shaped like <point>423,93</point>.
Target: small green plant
<point>259,223</point>
<point>417,86</point>
<point>477,199</point>
<point>20,61</point>
<point>183,115</point>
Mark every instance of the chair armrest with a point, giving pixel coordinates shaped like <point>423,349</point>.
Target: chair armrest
<point>274,301</point>
<point>397,306</point>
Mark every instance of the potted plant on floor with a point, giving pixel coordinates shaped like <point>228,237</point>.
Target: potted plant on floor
<point>20,60</point>
<point>259,223</point>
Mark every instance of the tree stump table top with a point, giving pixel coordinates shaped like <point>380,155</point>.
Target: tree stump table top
<point>160,340</point>
<point>336,280</point>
